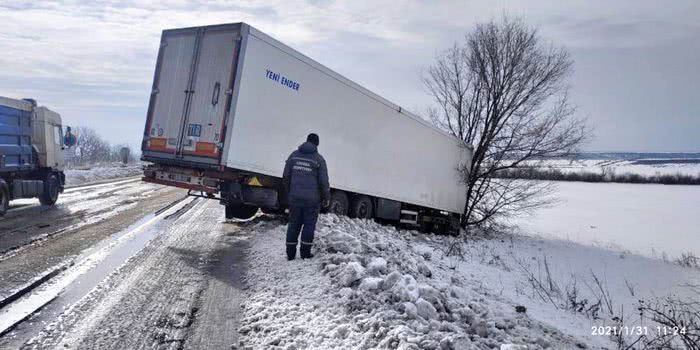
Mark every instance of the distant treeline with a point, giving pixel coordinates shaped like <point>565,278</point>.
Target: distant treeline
<point>533,173</point>
<point>635,155</point>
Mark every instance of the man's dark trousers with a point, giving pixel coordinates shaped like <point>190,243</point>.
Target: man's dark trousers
<point>301,216</point>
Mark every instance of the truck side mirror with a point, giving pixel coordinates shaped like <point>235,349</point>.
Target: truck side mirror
<point>69,139</point>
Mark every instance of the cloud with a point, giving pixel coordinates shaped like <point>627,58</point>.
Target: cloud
<point>94,61</point>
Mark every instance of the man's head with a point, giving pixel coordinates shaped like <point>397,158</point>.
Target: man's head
<point>313,138</point>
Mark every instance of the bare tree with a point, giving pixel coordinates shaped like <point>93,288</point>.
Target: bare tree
<point>503,92</point>
<point>91,147</point>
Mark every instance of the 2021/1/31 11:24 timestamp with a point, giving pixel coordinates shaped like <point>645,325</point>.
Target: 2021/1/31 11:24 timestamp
<point>637,330</point>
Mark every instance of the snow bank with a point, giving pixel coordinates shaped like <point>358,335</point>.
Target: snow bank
<point>83,175</point>
<point>370,286</point>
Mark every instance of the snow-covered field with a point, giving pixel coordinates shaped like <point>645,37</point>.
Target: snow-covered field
<point>645,167</point>
<point>543,274</point>
<point>649,219</point>
<point>87,174</point>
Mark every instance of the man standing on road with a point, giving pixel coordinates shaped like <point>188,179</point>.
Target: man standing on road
<point>306,183</point>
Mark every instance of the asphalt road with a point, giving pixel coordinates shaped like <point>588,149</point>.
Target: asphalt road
<point>129,265</point>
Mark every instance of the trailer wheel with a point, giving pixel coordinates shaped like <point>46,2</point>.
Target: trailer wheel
<point>240,211</point>
<point>338,203</point>
<point>361,208</point>
<point>51,188</point>
<point>4,198</point>
<point>440,229</point>
<point>425,227</point>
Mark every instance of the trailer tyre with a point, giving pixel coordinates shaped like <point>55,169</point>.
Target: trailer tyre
<point>240,211</point>
<point>338,203</point>
<point>4,198</point>
<point>440,229</point>
<point>51,189</point>
<point>361,208</point>
<point>425,227</point>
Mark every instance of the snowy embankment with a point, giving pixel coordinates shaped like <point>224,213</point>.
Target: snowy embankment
<point>371,286</point>
<point>104,171</point>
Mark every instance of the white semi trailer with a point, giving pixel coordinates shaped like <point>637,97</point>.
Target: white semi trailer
<point>229,103</point>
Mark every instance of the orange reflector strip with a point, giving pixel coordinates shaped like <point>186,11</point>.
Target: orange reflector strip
<point>157,142</point>
<point>205,147</point>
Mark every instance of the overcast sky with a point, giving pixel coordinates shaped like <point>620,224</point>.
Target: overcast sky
<point>637,63</point>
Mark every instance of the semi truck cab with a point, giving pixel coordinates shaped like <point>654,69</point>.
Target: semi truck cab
<point>31,152</point>
<point>48,139</point>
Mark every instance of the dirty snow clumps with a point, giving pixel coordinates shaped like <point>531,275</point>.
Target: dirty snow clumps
<point>370,286</point>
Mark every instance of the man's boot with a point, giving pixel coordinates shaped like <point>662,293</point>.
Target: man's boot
<point>291,251</point>
<point>305,251</point>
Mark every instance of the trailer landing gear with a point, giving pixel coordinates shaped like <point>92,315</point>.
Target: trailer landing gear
<point>240,211</point>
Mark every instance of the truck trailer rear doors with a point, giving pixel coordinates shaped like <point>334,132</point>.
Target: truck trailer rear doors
<point>191,94</point>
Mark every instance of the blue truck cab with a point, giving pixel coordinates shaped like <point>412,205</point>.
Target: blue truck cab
<point>31,152</point>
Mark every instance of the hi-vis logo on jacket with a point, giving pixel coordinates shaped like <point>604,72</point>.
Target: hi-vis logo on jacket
<point>302,164</point>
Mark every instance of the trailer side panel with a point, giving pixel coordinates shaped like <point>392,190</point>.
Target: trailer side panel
<point>371,146</point>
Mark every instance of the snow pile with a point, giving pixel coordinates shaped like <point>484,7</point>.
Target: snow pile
<point>368,287</point>
<point>79,176</point>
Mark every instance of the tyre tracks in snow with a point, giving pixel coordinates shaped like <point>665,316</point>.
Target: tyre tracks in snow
<point>30,257</point>
<point>182,290</point>
<point>30,223</point>
<point>21,207</point>
<point>25,316</point>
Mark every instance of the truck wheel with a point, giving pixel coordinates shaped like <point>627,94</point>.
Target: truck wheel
<point>240,211</point>
<point>4,198</point>
<point>339,203</point>
<point>361,208</point>
<point>425,227</point>
<point>50,194</point>
<point>440,229</point>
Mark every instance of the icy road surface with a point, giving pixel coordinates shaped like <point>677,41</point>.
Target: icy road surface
<point>189,264</point>
<point>35,239</point>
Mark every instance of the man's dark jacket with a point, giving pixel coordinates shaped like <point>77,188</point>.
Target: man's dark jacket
<point>306,177</point>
